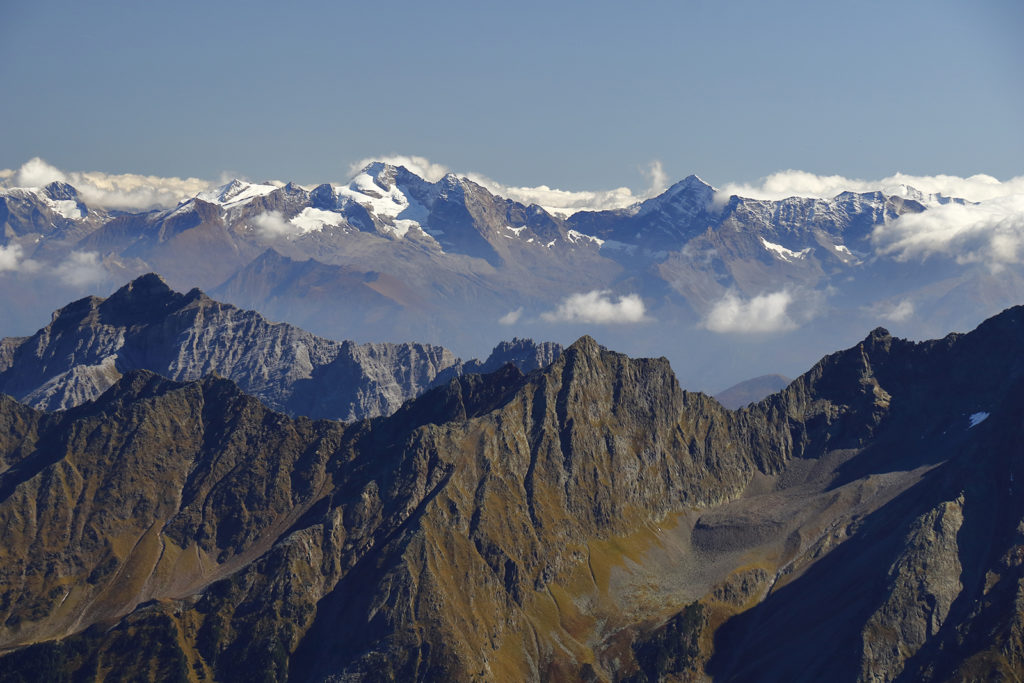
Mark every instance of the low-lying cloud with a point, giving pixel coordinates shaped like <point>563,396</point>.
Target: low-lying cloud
<point>81,269</point>
<point>781,311</point>
<point>271,225</point>
<point>598,306</point>
<point>793,183</point>
<point>12,258</point>
<point>763,313</point>
<point>512,317</point>
<point>113,191</point>
<point>991,232</point>
<point>892,311</point>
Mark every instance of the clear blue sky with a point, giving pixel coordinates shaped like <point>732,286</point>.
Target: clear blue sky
<point>576,95</point>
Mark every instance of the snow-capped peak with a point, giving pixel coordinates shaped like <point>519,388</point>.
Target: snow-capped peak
<point>235,192</point>
<point>59,197</point>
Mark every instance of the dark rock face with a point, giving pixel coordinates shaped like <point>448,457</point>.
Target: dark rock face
<point>589,520</point>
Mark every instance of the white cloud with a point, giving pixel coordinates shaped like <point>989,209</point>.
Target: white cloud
<point>597,307</point>
<point>512,317</point>
<point>81,269</point>
<point>272,224</point>
<point>792,183</point>
<point>114,191</point>
<point>36,173</point>
<point>770,312</point>
<point>991,232</point>
<point>892,311</point>
<point>12,259</point>
<point>658,178</point>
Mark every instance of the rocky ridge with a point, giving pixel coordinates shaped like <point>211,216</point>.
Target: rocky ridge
<point>90,343</point>
<point>599,523</point>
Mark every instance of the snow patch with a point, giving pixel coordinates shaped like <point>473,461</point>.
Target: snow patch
<point>783,253</point>
<point>977,418</point>
<point>574,237</point>
<point>235,193</point>
<point>314,220</point>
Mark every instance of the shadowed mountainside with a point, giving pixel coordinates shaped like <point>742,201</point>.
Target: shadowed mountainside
<point>587,521</point>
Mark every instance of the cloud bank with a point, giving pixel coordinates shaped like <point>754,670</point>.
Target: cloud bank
<point>114,191</point>
<point>792,183</point>
<point>991,232</point>
<point>597,306</point>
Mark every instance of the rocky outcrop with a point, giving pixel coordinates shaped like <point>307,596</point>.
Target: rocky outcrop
<point>922,585</point>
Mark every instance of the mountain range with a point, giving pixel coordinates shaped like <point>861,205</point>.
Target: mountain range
<point>91,343</point>
<point>587,520</point>
<point>689,274</point>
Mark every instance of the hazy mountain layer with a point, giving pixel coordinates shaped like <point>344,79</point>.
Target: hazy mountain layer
<point>393,257</point>
<point>145,325</point>
<point>589,521</point>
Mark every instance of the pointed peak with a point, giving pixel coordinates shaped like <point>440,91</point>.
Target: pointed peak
<point>149,283</point>
<point>271,255</point>
<point>691,183</point>
<point>586,345</point>
<point>146,290</point>
<point>58,190</point>
<point>235,191</point>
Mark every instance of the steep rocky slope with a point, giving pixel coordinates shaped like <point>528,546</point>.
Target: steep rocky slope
<point>588,521</point>
<point>146,325</point>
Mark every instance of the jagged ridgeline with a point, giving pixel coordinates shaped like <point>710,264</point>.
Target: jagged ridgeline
<point>586,521</point>
<point>90,343</point>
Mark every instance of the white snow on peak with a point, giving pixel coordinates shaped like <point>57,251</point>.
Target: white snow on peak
<point>68,208</point>
<point>841,248</point>
<point>574,237</point>
<point>314,220</point>
<point>392,203</point>
<point>234,193</point>
<point>515,230</point>
<point>783,253</point>
<point>977,418</point>
<point>930,200</point>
